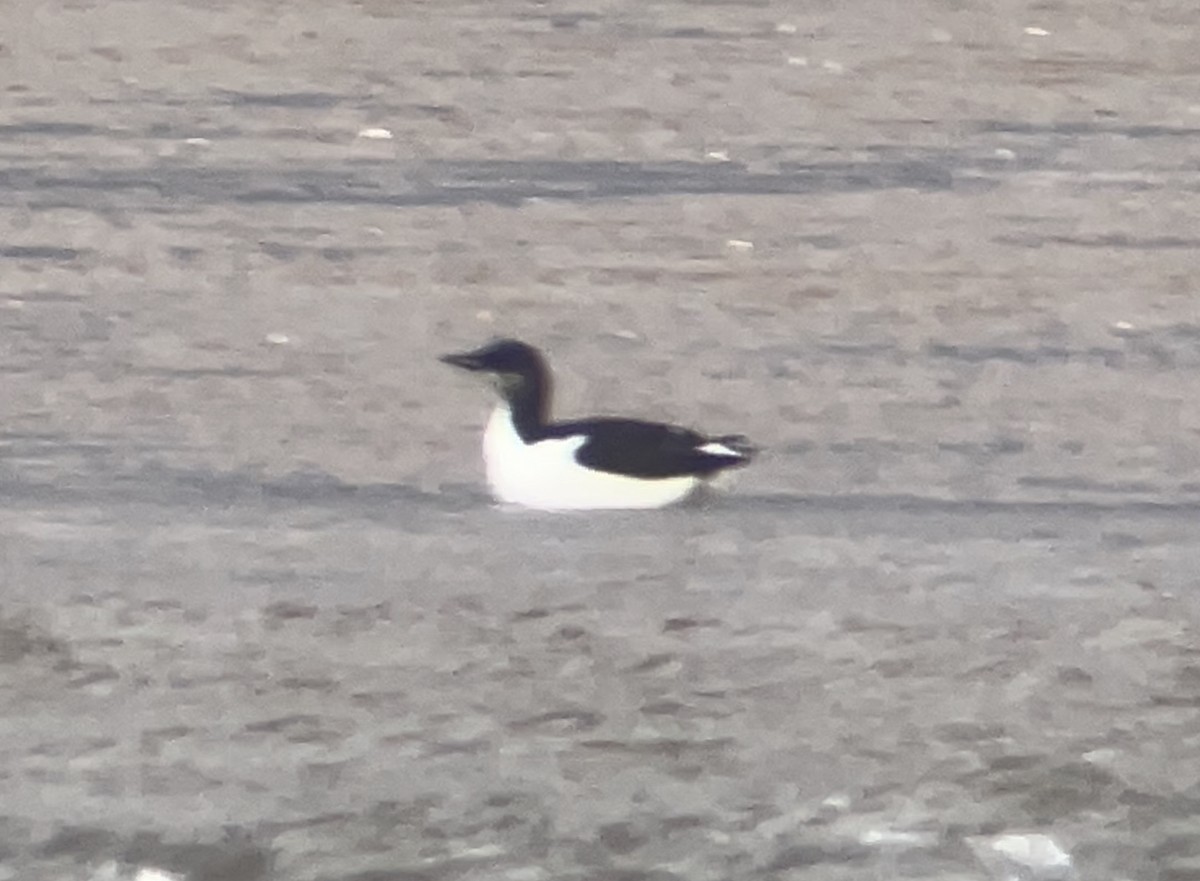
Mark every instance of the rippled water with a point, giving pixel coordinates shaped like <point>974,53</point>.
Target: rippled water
<point>385,684</point>
<point>258,618</point>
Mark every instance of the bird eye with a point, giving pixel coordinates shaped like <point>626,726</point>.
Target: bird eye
<point>506,382</point>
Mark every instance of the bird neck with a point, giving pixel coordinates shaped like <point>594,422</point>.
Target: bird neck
<point>529,404</point>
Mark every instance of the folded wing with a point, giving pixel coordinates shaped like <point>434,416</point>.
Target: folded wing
<point>651,450</point>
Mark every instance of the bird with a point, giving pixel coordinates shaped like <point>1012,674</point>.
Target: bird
<point>586,464</point>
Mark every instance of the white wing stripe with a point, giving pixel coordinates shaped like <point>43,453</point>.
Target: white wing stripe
<point>718,449</point>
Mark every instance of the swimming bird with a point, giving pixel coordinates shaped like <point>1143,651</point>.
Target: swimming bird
<point>589,463</point>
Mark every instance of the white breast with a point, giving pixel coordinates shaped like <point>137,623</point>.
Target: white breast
<point>545,474</point>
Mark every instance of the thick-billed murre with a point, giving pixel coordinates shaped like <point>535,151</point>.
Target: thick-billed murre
<point>589,463</point>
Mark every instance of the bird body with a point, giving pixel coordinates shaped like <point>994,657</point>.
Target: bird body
<point>601,463</point>
<point>548,473</point>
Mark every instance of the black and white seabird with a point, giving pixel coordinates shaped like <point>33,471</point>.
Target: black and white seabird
<point>588,463</point>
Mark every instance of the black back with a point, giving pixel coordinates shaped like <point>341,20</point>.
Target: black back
<point>641,449</point>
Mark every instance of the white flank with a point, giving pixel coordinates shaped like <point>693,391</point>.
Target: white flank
<point>718,449</point>
<point>545,474</point>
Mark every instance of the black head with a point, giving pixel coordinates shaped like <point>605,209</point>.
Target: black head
<point>501,357</point>
<point>519,374</point>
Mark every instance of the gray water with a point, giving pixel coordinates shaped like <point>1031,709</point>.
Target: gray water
<point>258,616</point>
